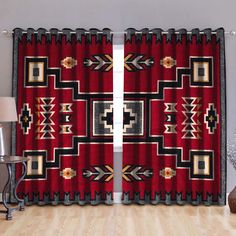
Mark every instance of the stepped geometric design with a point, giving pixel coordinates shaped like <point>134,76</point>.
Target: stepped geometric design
<point>26,118</point>
<point>211,118</point>
<point>44,107</point>
<point>106,118</point>
<point>130,118</point>
<point>191,123</point>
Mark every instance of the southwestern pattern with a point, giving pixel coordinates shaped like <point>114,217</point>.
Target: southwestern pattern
<point>63,84</point>
<point>182,93</point>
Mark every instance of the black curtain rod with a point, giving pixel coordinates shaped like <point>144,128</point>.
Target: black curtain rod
<point>10,32</point>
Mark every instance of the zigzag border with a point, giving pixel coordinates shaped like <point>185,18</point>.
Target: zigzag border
<point>168,200</point>
<point>67,200</point>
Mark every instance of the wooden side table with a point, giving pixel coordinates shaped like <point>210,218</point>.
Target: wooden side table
<point>8,161</point>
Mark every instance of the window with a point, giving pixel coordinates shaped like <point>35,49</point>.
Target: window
<point>118,97</point>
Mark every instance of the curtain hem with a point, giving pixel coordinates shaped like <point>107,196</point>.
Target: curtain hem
<point>68,200</point>
<point>169,201</point>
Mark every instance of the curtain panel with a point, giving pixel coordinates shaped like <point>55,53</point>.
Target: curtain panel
<point>63,82</point>
<point>174,117</point>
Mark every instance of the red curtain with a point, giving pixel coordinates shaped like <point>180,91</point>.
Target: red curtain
<point>63,84</point>
<point>174,117</point>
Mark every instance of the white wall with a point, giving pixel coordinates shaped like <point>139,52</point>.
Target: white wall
<point>119,15</point>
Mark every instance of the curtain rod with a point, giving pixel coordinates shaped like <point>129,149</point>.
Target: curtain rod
<point>10,32</point>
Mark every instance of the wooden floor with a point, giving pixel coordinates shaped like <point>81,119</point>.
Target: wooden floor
<point>120,220</point>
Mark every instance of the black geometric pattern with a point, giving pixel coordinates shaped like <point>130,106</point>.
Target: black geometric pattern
<point>35,71</point>
<point>45,109</point>
<point>191,113</point>
<point>133,117</point>
<point>36,165</point>
<point>201,71</point>
<point>102,118</point>
<point>181,73</point>
<point>201,164</point>
<point>211,118</point>
<point>77,95</point>
<point>25,118</point>
<point>65,118</point>
<point>108,118</point>
<point>58,153</point>
<point>171,118</point>
<point>128,118</point>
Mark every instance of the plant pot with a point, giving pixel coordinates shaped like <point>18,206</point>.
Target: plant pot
<point>232,200</point>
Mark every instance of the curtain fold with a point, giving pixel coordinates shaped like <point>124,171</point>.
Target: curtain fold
<point>63,83</point>
<point>174,117</point>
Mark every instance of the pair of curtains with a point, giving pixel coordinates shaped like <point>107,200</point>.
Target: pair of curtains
<point>173,126</point>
